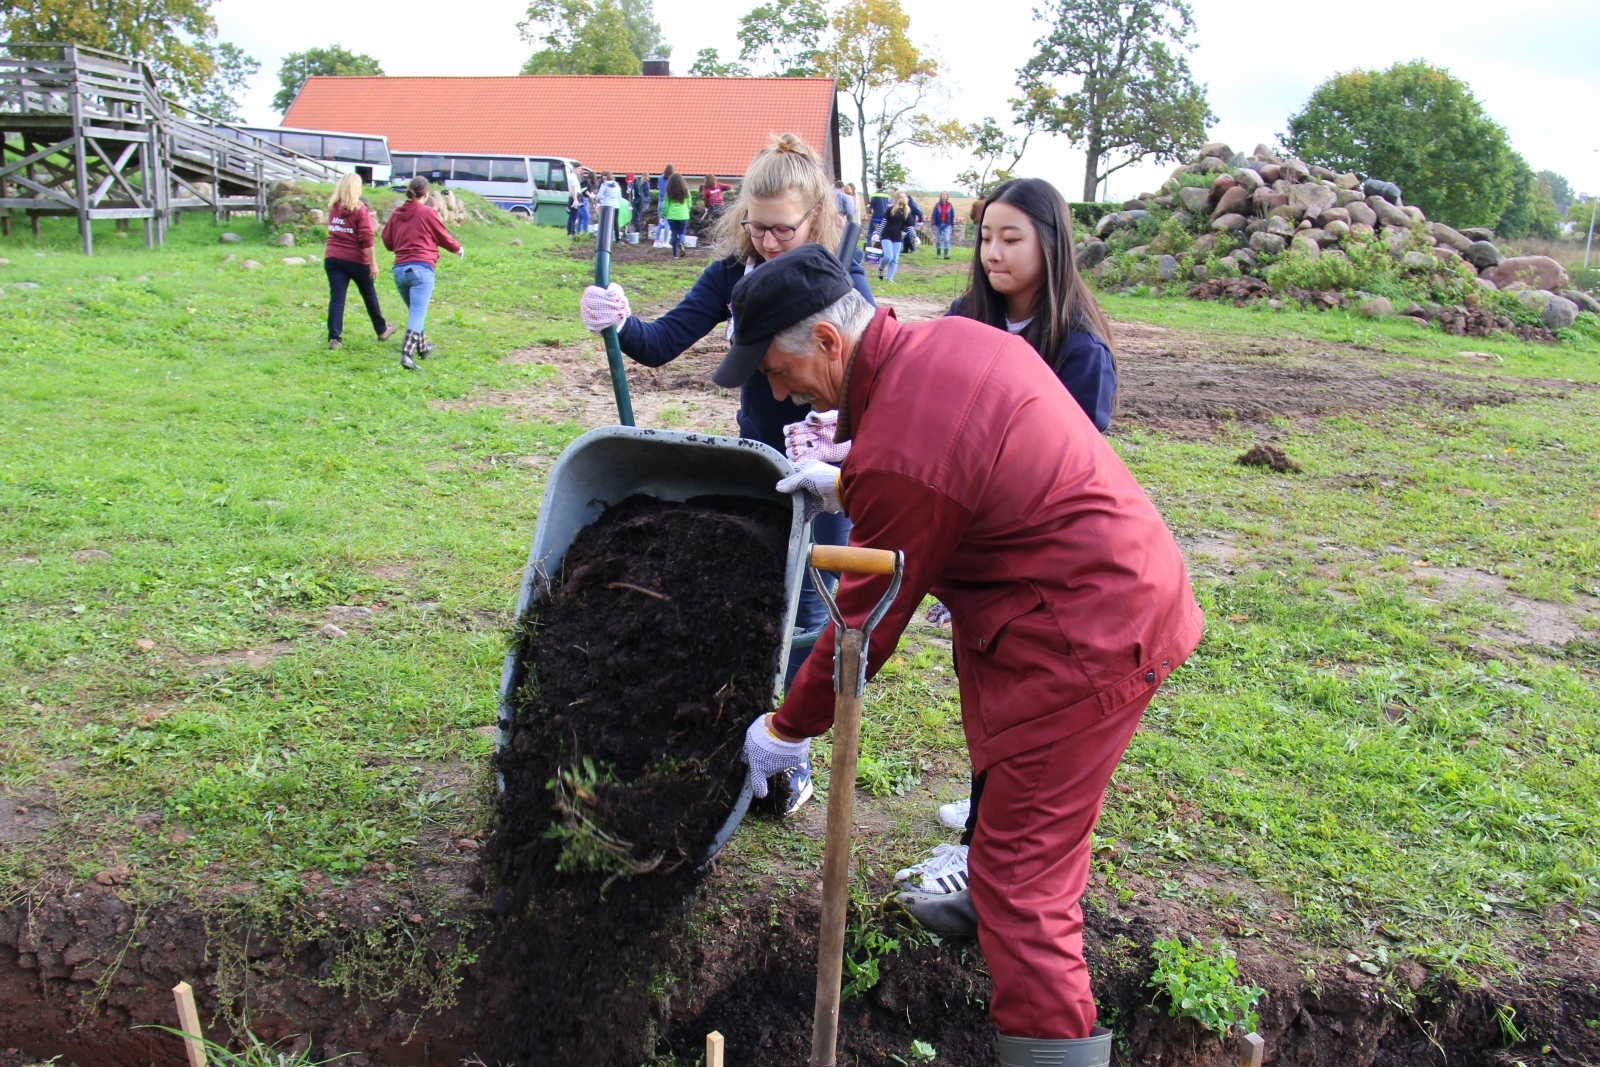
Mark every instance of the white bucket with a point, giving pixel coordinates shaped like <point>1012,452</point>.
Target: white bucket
<point>633,237</point>
<point>691,241</point>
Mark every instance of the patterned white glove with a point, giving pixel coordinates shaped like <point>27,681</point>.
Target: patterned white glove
<point>820,483</point>
<point>813,439</point>
<point>604,307</point>
<point>939,615</point>
<point>767,754</point>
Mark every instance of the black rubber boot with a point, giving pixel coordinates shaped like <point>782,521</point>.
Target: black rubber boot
<point>946,914</point>
<point>424,349</point>
<point>1091,1051</point>
<point>408,346</point>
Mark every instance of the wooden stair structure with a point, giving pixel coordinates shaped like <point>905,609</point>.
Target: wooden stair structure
<point>88,133</point>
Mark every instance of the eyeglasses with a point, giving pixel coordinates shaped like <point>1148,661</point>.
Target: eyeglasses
<point>784,234</point>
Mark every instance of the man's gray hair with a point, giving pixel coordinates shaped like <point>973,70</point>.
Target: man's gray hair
<point>849,314</point>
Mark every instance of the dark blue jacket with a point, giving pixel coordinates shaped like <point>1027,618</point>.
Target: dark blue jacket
<point>1084,366</point>
<point>762,416</point>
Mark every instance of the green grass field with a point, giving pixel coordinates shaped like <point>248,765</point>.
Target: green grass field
<point>1345,736</point>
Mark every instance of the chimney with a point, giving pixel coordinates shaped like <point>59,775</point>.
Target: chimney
<point>655,66</point>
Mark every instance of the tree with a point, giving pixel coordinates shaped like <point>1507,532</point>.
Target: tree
<point>1560,189</point>
<point>708,64</point>
<point>335,60</point>
<point>579,37</point>
<point>644,33</point>
<point>1532,210</point>
<point>220,96</point>
<point>1414,125</point>
<point>787,34</point>
<point>1127,89</point>
<point>875,64</point>
<point>989,143</point>
<point>175,37</point>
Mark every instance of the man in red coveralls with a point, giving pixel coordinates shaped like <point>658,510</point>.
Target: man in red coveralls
<point>1068,594</point>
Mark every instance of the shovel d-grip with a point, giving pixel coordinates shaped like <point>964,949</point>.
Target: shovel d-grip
<point>849,682</point>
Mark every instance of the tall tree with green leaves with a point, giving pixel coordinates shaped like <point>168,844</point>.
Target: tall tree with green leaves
<point>784,36</point>
<point>1560,189</point>
<point>1112,75</point>
<point>220,96</point>
<point>334,60</point>
<point>887,78</point>
<point>1415,125</point>
<point>1532,211</point>
<point>644,33</point>
<point>708,64</point>
<point>177,38</point>
<point>579,37</point>
<point>995,150</point>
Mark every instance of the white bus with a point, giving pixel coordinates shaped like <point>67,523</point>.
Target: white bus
<point>536,186</point>
<point>365,153</point>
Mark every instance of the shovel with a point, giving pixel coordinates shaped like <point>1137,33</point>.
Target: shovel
<point>602,278</point>
<point>849,681</point>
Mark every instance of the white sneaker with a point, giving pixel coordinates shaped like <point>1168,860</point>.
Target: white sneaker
<point>944,872</point>
<point>955,815</point>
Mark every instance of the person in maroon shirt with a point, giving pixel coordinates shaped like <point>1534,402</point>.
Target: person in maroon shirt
<point>1069,597</point>
<point>414,233</point>
<point>349,257</point>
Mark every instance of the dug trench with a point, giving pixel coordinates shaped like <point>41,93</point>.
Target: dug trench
<point>515,960</point>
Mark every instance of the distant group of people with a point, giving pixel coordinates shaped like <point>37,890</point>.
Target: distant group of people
<point>673,202</point>
<point>414,233</point>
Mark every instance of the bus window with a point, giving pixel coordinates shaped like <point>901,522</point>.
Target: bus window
<point>346,148</point>
<point>558,178</point>
<point>433,168</point>
<point>541,174</point>
<point>471,170</point>
<point>404,167</point>
<point>511,170</point>
<point>307,144</point>
<point>375,152</point>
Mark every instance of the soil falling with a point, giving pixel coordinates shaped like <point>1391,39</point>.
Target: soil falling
<point>654,651</point>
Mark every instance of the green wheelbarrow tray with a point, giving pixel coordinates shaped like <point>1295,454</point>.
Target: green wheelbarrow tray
<point>609,464</point>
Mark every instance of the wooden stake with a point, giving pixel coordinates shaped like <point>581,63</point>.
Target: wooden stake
<point>1250,1048</point>
<point>189,1020</point>
<point>714,1049</point>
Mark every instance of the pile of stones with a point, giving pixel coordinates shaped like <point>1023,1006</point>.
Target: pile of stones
<point>1272,208</point>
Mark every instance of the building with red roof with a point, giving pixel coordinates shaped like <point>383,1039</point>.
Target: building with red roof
<point>625,124</point>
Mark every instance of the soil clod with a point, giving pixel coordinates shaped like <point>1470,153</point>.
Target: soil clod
<point>1264,455</point>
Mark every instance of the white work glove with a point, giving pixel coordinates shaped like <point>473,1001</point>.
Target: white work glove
<point>767,754</point>
<point>461,253</point>
<point>813,439</point>
<point>601,308</point>
<point>938,615</point>
<point>820,483</point>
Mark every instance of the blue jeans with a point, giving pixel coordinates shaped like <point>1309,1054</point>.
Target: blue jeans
<point>583,219</point>
<point>809,613</point>
<point>679,228</point>
<point>415,282</point>
<point>941,236</point>
<point>891,259</point>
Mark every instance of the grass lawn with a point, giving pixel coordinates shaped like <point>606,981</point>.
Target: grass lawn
<point>1346,736</point>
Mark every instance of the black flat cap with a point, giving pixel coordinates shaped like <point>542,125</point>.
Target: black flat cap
<point>772,298</point>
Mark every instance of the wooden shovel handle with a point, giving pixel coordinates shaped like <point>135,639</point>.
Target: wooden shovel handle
<point>852,560</point>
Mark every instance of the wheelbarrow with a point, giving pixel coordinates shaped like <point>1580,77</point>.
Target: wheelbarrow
<point>609,464</point>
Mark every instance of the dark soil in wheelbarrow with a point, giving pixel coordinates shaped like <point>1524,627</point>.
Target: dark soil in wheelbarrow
<point>654,652</point>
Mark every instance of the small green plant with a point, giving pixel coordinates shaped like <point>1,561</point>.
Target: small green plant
<point>1506,1016</point>
<point>920,1052</point>
<point>256,1052</point>
<point>585,845</point>
<point>1204,986</point>
<point>865,944</point>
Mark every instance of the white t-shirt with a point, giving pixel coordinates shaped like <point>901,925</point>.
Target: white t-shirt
<point>610,194</point>
<point>1018,327</point>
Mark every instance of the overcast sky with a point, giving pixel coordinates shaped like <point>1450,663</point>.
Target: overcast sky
<point>1535,68</point>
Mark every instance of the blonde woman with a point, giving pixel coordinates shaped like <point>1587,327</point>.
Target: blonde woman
<point>785,202</point>
<point>893,234</point>
<point>348,258</point>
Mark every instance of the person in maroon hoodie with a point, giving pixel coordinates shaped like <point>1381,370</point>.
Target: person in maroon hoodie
<point>1069,596</point>
<point>348,258</point>
<point>414,233</point>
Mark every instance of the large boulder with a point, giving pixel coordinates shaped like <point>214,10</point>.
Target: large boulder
<point>1377,306</point>
<point>1446,236</point>
<point>1167,268</point>
<point>1322,174</point>
<point>1336,229</point>
<point>1234,200</point>
<point>1388,214</point>
<point>1346,181</point>
<point>1377,187</point>
<point>1221,184</point>
<point>1345,197</point>
<point>1246,256</point>
<point>1106,224</point>
<point>1541,272</point>
<point>1195,199</point>
<point>1265,154</point>
<point>1270,172</point>
<point>230,239</point>
<point>1248,180</point>
<point>1210,165</point>
<point>1558,312</point>
<point>1477,233</point>
<point>1361,229</point>
<point>1215,148</point>
<point>1304,245</point>
<point>1093,254</point>
<point>1268,244</point>
<point>1229,223</point>
<point>1203,245</point>
<point>1334,214</point>
<point>1361,213</point>
<point>284,240</point>
<point>1308,195</point>
<point>1395,239</point>
<point>1418,260</point>
<point>1295,171</point>
<point>1584,301</point>
<point>1281,226</point>
<point>1263,200</point>
<point>1482,254</point>
<point>1414,211</point>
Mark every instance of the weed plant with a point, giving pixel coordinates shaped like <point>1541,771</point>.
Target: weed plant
<point>1204,986</point>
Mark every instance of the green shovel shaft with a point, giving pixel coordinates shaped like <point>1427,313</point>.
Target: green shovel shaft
<point>602,278</point>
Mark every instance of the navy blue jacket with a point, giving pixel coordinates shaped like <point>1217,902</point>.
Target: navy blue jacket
<point>762,416</point>
<point>1084,366</point>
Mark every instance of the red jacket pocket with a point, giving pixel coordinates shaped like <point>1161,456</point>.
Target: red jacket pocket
<point>1014,664</point>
